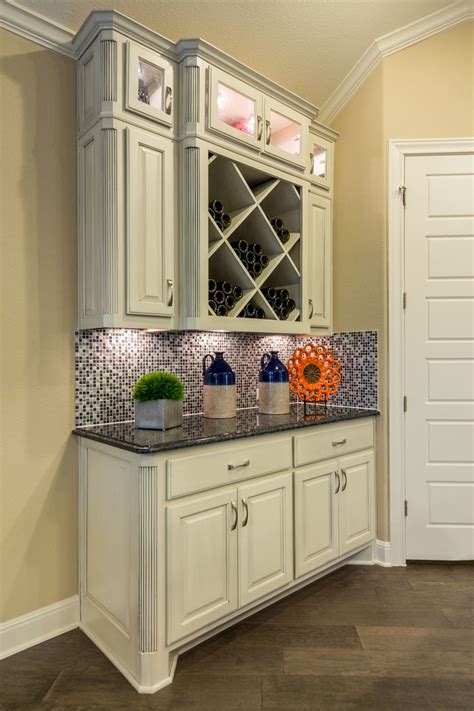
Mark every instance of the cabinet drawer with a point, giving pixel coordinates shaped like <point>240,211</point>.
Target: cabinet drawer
<point>221,466</point>
<point>332,441</point>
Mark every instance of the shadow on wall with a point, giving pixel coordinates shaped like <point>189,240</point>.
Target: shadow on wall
<point>38,292</point>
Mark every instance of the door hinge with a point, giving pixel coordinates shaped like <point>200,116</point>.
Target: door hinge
<point>405,403</point>
<point>404,299</point>
<point>403,191</point>
<point>406,507</point>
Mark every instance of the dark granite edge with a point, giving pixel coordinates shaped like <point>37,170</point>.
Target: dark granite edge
<point>346,415</point>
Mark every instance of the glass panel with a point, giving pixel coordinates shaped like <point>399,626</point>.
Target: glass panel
<point>286,134</point>
<point>235,109</point>
<point>150,84</point>
<point>319,161</point>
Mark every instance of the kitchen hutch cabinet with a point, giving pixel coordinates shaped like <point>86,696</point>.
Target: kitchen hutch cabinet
<point>165,129</point>
<point>199,538</point>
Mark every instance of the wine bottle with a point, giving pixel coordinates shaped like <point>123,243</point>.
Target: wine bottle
<point>260,313</point>
<point>242,245</point>
<point>219,296</point>
<point>237,293</point>
<point>284,235</point>
<point>276,223</point>
<point>283,294</point>
<point>270,292</point>
<point>290,305</point>
<point>212,286</point>
<point>277,303</point>
<point>224,221</point>
<point>250,311</point>
<point>283,314</point>
<point>217,206</point>
<point>229,301</point>
<point>225,286</point>
<point>212,305</point>
<point>250,257</point>
<point>222,310</point>
<point>256,248</point>
<point>264,260</point>
<point>257,269</point>
<point>212,213</point>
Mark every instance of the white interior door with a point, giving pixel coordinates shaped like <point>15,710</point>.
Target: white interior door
<point>439,356</point>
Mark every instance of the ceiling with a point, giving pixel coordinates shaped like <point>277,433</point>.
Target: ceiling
<point>308,46</point>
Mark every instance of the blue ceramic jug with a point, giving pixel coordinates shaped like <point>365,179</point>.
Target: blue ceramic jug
<point>219,392</point>
<point>273,386</point>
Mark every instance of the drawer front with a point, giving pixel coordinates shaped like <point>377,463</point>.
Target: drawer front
<point>221,466</point>
<point>329,441</point>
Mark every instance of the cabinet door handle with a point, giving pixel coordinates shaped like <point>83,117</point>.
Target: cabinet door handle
<point>338,482</point>
<point>259,128</point>
<point>311,308</point>
<point>311,163</point>
<point>344,486</point>
<point>231,467</point>
<point>268,126</point>
<point>170,285</point>
<point>236,518</point>
<point>168,100</point>
<point>339,441</point>
<point>246,513</point>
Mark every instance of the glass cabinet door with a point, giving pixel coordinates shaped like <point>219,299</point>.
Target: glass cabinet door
<point>286,133</point>
<point>149,84</point>
<point>321,160</point>
<point>234,109</point>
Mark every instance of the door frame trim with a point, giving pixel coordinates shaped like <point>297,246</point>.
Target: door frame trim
<point>398,151</point>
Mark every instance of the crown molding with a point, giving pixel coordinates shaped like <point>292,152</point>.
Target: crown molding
<point>389,44</point>
<point>35,27</point>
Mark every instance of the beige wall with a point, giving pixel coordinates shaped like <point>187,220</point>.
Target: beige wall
<point>38,313</point>
<point>425,91</point>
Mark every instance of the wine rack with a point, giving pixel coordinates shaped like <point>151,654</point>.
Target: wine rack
<point>253,199</point>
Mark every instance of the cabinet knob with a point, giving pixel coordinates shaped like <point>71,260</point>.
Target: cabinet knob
<point>311,308</point>
<point>170,285</point>
<point>168,100</point>
<point>268,126</point>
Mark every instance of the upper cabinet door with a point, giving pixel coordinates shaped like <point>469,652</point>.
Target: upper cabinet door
<point>321,156</point>
<point>150,224</point>
<point>319,268</point>
<point>149,84</point>
<point>285,133</point>
<point>234,108</point>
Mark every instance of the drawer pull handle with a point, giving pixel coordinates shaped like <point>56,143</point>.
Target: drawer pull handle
<point>338,482</point>
<point>231,467</point>
<point>246,512</point>
<point>235,511</point>
<point>340,441</point>
<point>344,486</point>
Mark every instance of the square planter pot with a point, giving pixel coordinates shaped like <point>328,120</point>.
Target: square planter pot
<point>158,414</point>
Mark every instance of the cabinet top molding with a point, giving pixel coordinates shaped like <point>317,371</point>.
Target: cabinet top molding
<point>113,21</point>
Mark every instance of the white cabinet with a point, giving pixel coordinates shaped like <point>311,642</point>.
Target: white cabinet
<point>319,266</point>
<point>357,500</point>
<point>316,517</point>
<point>149,84</point>
<point>286,133</point>
<point>235,109</point>
<point>227,550</point>
<point>202,561</point>
<point>150,225</point>
<point>265,537</point>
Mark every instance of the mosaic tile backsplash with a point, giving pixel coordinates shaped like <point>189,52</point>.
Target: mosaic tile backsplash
<point>109,361</point>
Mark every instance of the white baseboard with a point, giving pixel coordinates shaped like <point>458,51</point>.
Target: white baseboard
<point>38,626</point>
<point>378,553</point>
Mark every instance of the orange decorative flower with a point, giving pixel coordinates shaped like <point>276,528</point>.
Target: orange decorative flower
<point>314,373</point>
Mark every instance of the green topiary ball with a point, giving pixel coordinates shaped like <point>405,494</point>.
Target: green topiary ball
<point>158,385</point>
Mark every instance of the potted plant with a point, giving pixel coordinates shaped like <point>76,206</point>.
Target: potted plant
<point>158,399</point>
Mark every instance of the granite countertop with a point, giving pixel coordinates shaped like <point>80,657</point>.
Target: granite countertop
<point>197,430</point>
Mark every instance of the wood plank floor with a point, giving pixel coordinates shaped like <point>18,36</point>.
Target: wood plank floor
<point>362,638</point>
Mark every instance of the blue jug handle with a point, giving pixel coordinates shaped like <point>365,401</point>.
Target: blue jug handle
<point>204,362</point>
<point>263,363</point>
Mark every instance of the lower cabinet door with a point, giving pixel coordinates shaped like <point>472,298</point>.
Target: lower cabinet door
<point>316,516</point>
<point>266,536</point>
<point>356,500</point>
<point>202,562</point>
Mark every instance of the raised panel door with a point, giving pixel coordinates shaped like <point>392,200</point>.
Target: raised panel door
<point>202,562</point>
<point>319,267</point>
<point>265,537</point>
<point>150,224</point>
<point>149,84</point>
<point>356,501</point>
<point>316,516</point>
<point>286,133</point>
<point>234,109</point>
